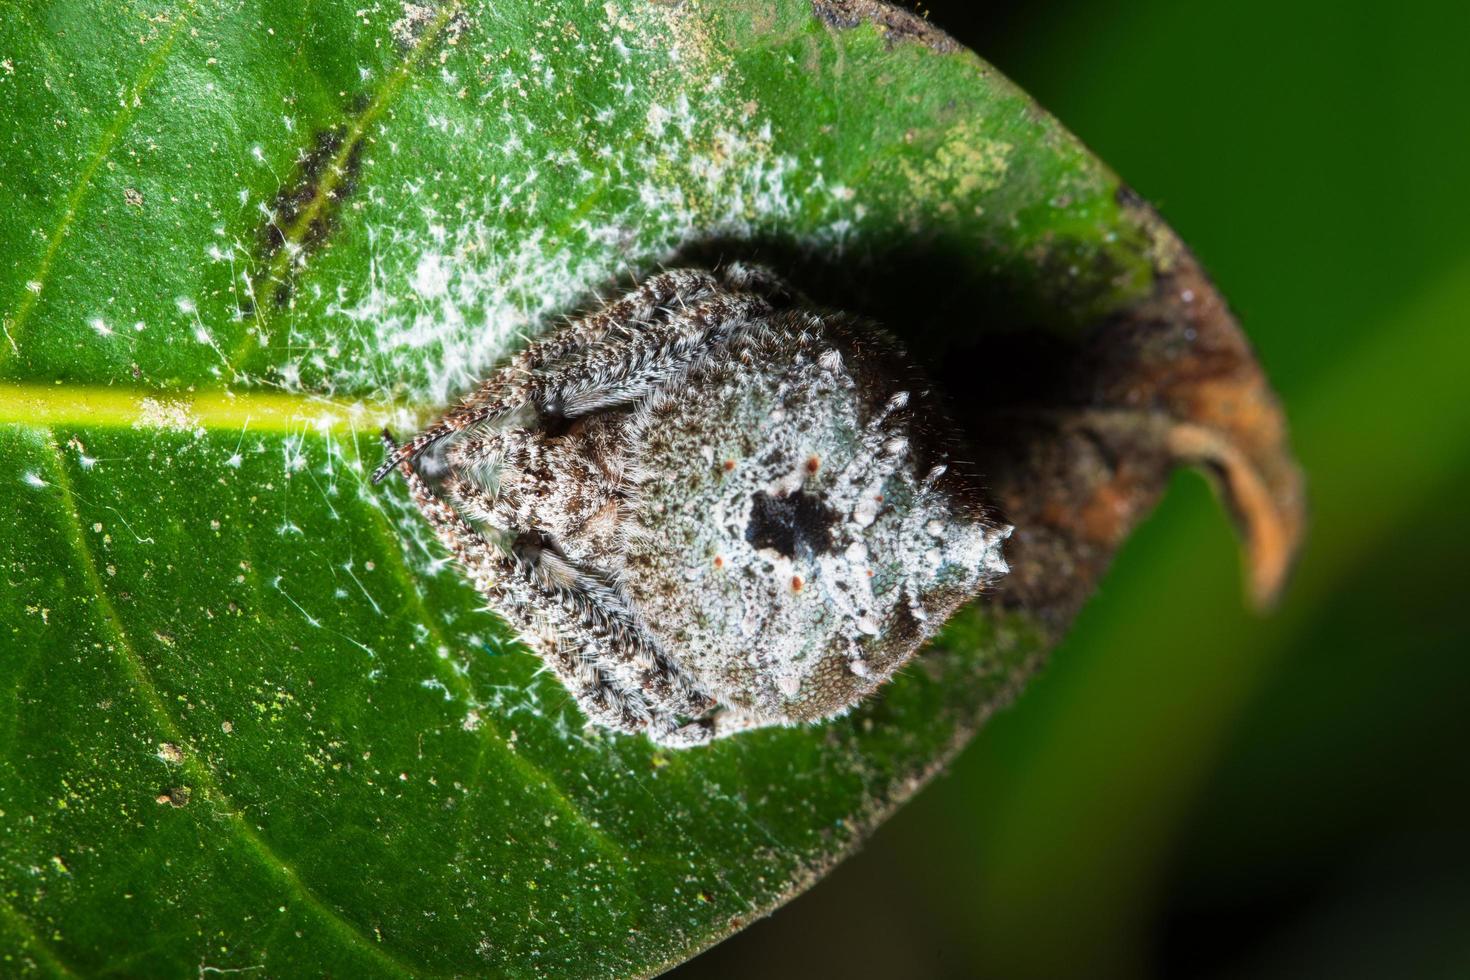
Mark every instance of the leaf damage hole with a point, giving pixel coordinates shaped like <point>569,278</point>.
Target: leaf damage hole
<point>176,797</point>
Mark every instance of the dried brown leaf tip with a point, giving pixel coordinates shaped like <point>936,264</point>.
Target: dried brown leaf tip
<point>1170,381</point>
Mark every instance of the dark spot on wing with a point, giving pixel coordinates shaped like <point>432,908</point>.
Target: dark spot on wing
<point>798,523</point>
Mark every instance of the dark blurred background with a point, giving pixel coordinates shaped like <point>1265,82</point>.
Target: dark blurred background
<point>1189,789</point>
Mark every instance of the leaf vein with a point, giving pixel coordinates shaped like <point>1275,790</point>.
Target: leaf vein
<point>193,764</point>
<point>38,944</point>
<point>31,288</point>
<point>532,773</point>
<point>332,176</point>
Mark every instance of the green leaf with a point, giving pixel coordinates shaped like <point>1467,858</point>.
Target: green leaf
<point>249,717</point>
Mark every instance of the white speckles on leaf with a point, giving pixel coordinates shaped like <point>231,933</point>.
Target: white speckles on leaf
<point>459,278</point>
<point>430,277</point>
<point>165,413</point>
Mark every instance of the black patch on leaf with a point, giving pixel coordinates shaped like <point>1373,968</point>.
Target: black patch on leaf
<point>305,209</point>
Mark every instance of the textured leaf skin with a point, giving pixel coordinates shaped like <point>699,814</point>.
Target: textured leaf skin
<point>248,717</point>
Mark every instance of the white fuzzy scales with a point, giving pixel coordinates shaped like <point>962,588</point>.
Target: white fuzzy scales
<point>710,508</point>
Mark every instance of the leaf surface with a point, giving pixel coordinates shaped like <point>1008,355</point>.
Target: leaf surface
<point>249,717</point>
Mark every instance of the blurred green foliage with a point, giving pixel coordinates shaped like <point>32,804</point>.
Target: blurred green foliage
<point>1191,790</point>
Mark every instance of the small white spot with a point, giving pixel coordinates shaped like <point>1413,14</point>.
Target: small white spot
<point>435,684</point>
<point>430,277</point>
<point>100,325</point>
<point>658,120</point>
<point>33,480</point>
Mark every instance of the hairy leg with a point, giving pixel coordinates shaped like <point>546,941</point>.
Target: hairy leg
<point>629,654</point>
<point>511,589</point>
<point>516,480</point>
<point>510,386</point>
<point>608,374</point>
